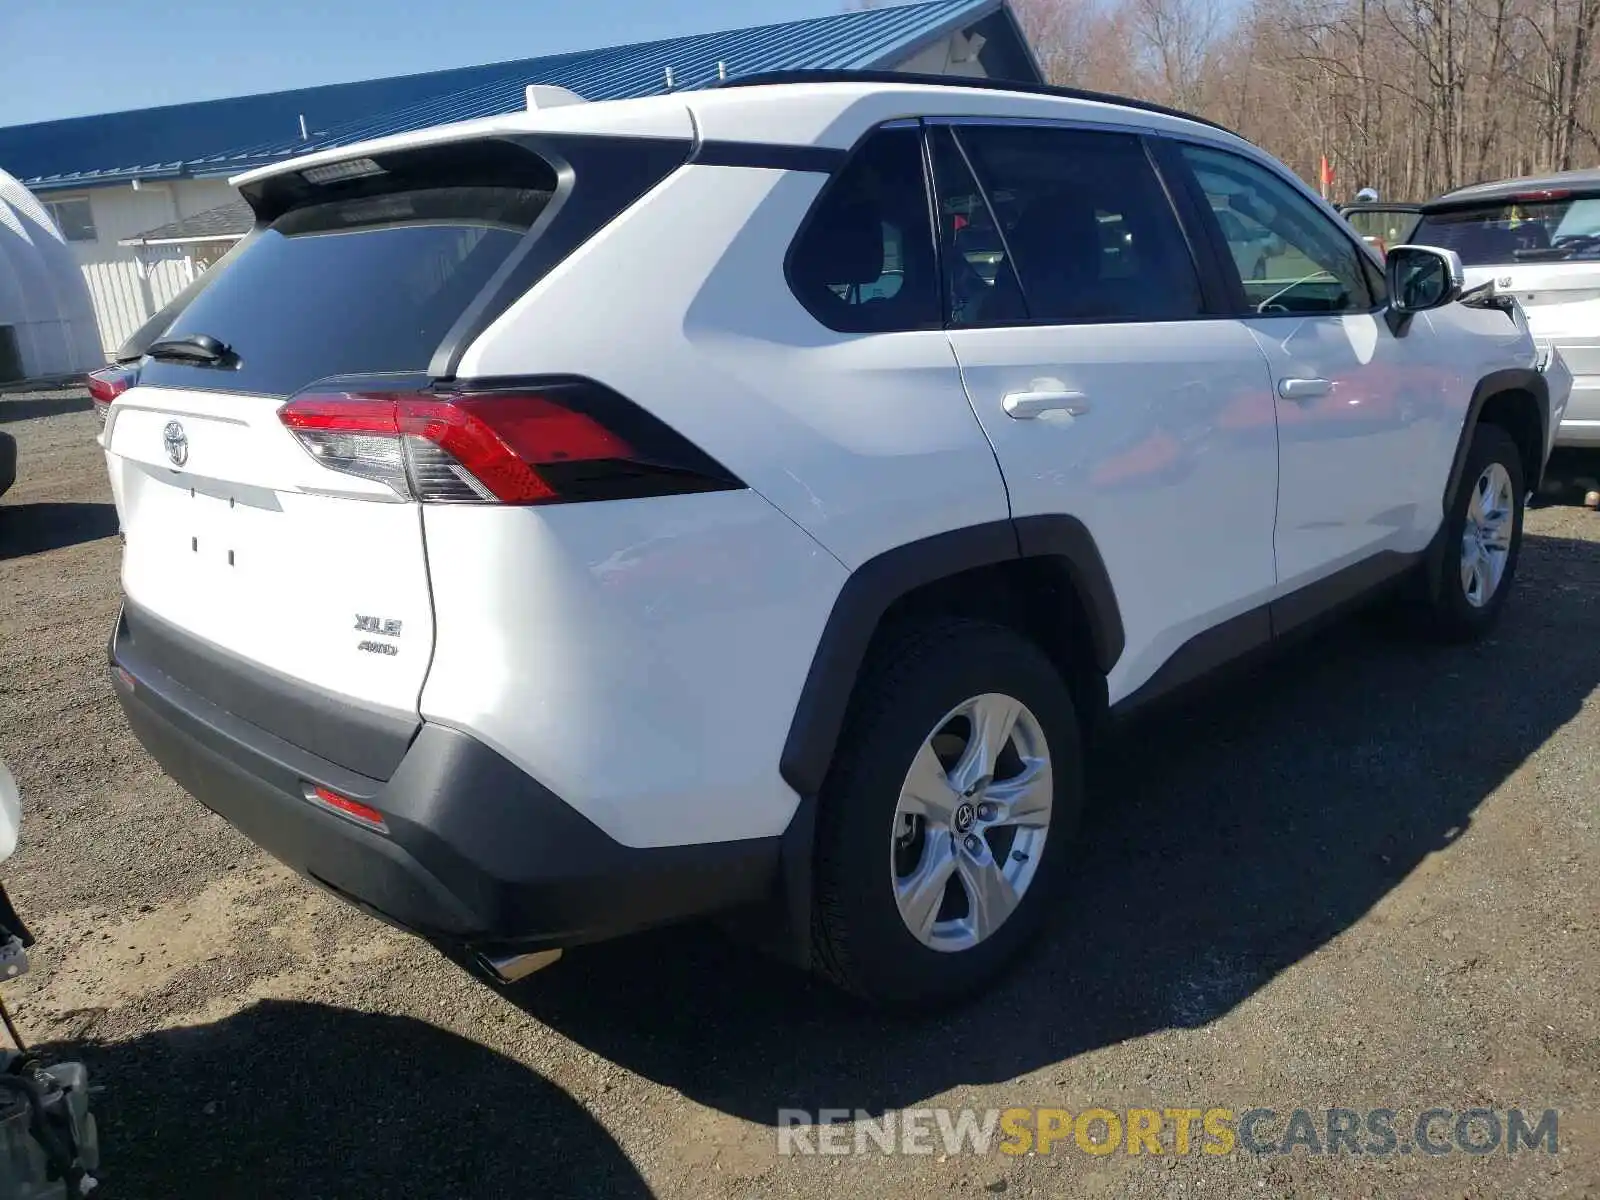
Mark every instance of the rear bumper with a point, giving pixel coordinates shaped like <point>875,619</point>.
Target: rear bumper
<point>478,855</point>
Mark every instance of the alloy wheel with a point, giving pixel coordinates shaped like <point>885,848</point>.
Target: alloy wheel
<point>970,826</point>
<point>1486,538</point>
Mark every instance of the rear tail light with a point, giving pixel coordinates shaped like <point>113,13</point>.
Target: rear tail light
<point>106,384</point>
<point>544,443</point>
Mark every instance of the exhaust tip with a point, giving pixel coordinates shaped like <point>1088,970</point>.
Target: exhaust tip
<point>510,968</point>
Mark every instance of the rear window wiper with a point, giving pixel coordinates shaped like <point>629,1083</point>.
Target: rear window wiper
<point>195,348</point>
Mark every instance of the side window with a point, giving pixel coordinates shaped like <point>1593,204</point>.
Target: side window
<point>1291,257</point>
<point>864,261</point>
<point>1076,222</point>
<point>980,283</point>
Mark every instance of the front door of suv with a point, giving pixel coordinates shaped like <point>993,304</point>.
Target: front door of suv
<point>1109,391</point>
<point>1361,409</point>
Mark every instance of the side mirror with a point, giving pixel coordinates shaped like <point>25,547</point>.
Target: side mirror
<point>1422,277</point>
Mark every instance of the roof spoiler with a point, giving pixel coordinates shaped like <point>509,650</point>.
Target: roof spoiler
<point>546,96</point>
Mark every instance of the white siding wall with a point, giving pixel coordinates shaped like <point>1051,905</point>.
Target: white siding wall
<point>126,295</point>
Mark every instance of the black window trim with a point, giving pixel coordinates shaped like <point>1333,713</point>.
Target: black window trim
<point>1223,256</point>
<point>1215,297</point>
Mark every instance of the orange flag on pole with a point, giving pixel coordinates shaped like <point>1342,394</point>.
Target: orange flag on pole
<point>1325,178</point>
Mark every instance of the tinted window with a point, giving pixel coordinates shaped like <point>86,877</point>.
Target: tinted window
<point>980,284</point>
<point>1080,217</point>
<point>864,262</point>
<point>1291,257</point>
<point>1564,229</point>
<point>366,284</point>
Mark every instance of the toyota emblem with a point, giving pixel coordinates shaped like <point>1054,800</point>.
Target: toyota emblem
<point>176,442</point>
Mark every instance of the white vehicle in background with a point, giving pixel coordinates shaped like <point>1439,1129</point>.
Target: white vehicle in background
<point>759,496</point>
<point>1538,240</point>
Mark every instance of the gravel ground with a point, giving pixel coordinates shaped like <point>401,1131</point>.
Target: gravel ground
<point>1365,877</point>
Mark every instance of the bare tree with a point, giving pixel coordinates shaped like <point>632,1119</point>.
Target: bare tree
<point>1177,39</point>
<point>1412,97</point>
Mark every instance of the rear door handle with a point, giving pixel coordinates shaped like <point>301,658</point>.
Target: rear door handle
<point>1024,406</point>
<point>1304,389</point>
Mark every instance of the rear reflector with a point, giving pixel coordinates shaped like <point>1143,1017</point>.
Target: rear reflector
<point>106,384</point>
<point>364,814</point>
<point>543,443</point>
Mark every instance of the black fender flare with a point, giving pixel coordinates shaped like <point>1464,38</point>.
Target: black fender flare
<point>1510,379</point>
<point>878,583</point>
<point>858,610</point>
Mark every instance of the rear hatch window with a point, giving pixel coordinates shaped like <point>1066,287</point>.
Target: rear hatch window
<point>370,279</point>
<point>1547,229</point>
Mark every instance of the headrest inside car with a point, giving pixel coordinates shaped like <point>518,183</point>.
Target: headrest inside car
<point>852,245</point>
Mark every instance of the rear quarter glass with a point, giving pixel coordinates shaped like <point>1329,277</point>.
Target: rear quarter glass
<point>372,275</point>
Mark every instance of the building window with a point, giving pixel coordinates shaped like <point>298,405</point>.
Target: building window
<point>74,218</point>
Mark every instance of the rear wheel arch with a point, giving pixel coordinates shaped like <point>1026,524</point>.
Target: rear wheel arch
<point>1042,574</point>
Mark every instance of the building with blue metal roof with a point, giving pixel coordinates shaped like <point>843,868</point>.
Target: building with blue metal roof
<point>143,197</point>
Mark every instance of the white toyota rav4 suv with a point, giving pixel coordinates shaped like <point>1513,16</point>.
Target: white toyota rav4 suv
<point>560,523</point>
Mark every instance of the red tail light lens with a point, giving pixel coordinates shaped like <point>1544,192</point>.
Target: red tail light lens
<point>542,444</point>
<point>106,384</point>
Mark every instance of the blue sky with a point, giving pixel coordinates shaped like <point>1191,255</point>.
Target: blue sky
<point>65,58</point>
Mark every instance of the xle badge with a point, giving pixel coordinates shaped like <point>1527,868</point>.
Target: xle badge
<point>385,626</point>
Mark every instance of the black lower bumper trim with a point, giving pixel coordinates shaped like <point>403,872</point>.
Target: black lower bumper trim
<point>357,738</point>
<point>478,853</point>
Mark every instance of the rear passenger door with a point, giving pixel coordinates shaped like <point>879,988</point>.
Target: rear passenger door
<point>1108,386</point>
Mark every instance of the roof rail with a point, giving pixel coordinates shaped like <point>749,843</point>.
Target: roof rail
<point>962,81</point>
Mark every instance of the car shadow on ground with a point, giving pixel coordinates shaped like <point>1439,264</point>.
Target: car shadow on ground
<point>296,1099</point>
<point>34,528</point>
<point>43,406</point>
<point>1225,842</point>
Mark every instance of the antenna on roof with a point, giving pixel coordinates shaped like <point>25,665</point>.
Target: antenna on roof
<point>305,134</point>
<point>670,81</point>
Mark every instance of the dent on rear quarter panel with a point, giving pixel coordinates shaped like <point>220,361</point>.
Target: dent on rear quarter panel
<point>865,441</point>
<point>639,658</point>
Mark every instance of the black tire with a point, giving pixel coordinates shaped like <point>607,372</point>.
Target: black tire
<point>915,677</point>
<point>1443,610</point>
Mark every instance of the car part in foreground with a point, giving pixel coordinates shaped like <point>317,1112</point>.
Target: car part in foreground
<point>48,1142</point>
